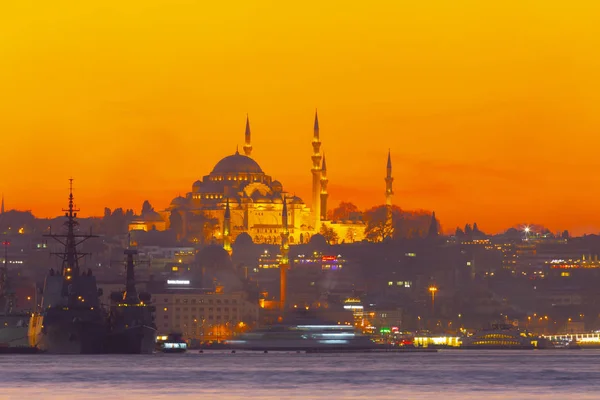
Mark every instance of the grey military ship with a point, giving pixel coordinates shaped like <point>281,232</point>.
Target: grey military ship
<point>70,319</point>
<point>131,321</point>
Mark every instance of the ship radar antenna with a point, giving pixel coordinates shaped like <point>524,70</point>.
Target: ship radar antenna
<point>70,239</point>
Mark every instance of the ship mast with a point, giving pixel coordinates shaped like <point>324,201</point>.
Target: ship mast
<point>70,256</point>
<point>130,296</point>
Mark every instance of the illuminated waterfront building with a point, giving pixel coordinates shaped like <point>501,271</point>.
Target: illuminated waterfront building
<point>200,314</point>
<point>585,266</point>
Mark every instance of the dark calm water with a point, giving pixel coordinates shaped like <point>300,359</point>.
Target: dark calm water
<point>453,374</point>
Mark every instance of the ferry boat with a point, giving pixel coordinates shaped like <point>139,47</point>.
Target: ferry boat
<point>171,343</point>
<point>502,336</point>
<point>564,343</point>
<point>315,337</point>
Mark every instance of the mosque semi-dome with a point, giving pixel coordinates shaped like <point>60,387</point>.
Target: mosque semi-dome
<point>179,201</point>
<point>237,163</point>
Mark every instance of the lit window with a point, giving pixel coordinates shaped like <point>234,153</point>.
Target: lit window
<point>390,283</point>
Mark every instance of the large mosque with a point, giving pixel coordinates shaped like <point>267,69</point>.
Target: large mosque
<point>254,201</point>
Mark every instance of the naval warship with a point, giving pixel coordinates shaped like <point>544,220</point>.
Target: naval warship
<point>131,328</point>
<point>69,319</point>
<point>13,324</point>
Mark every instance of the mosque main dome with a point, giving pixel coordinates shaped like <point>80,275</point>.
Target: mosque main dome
<point>237,163</point>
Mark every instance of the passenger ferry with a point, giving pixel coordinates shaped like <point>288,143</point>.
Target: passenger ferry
<point>171,343</point>
<point>503,336</point>
<point>303,338</point>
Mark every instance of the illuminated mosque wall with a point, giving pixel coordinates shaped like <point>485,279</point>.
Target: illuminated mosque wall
<point>256,201</point>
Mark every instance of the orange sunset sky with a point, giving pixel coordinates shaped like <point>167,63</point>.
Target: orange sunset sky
<point>490,108</point>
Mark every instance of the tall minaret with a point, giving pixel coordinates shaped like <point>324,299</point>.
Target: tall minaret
<point>227,229</point>
<point>316,173</point>
<point>324,193</point>
<point>2,206</point>
<point>389,223</point>
<point>388,181</point>
<point>248,143</point>
<point>284,262</point>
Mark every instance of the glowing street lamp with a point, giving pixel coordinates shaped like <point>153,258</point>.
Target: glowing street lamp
<point>432,290</point>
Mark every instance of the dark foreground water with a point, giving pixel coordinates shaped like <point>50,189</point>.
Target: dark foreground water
<point>453,374</point>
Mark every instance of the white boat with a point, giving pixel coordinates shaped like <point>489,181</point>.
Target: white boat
<point>303,338</point>
<point>501,336</point>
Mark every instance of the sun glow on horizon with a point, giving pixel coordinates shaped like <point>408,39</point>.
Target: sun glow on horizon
<point>139,99</point>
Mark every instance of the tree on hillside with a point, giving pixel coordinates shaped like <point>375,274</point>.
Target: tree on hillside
<point>412,224</point>
<point>350,236</point>
<point>13,222</point>
<point>147,207</point>
<point>329,234</point>
<point>202,227</point>
<point>405,224</point>
<point>468,230</point>
<point>343,211</point>
<point>116,223</point>
<point>378,227</point>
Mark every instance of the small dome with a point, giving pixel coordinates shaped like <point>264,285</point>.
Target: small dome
<point>237,163</point>
<point>196,184</point>
<point>318,241</point>
<point>276,186</point>
<point>243,239</point>
<point>213,256</point>
<point>296,200</point>
<point>151,216</point>
<point>179,201</point>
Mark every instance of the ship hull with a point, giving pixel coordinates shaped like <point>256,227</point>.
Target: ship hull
<point>13,330</point>
<point>134,340</point>
<point>14,337</point>
<point>68,336</point>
